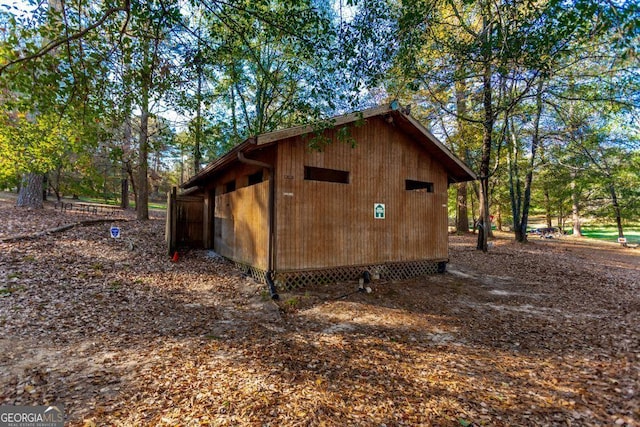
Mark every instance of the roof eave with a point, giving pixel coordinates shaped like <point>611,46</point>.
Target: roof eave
<point>229,157</point>
<point>458,171</point>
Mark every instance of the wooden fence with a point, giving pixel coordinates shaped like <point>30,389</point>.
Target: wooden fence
<point>185,216</point>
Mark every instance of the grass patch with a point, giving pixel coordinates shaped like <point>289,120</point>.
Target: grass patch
<point>132,204</point>
<point>115,285</point>
<point>98,200</point>
<point>10,290</point>
<point>609,233</point>
<point>292,302</point>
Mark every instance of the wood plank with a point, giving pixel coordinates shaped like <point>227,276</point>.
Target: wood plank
<point>325,224</point>
<point>241,231</point>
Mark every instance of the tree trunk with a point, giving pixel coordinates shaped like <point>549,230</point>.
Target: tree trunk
<point>483,218</point>
<point>487,138</point>
<point>575,211</point>
<point>515,194</point>
<point>234,119</point>
<point>535,141</point>
<point>547,206</point>
<point>142,190</point>
<point>142,199</point>
<point>45,187</point>
<point>124,182</point>
<point>132,180</point>
<point>561,216</point>
<point>616,209</point>
<point>30,195</point>
<point>475,192</point>
<point>181,164</point>
<point>56,185</point>
<point>146,85</point>
<point>462,224</point>
<point>462,212</point>
<point>124,193</point>
<point>483,194</point>
<point>127,140</point>
<point>197,153</point>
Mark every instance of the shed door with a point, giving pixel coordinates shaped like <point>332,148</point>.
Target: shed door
<point>185,216</point>
<point>189,221</point>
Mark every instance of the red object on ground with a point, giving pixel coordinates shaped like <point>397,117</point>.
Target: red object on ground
<point>175,257</point>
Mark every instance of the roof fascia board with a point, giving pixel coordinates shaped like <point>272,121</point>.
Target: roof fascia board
<point>439,144</point>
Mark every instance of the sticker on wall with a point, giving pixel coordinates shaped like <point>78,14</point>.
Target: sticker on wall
<point>378,210</point>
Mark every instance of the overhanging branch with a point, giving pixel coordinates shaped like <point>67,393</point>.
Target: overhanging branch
<point>56,43</point>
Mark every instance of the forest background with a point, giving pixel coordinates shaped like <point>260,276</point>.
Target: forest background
<point>118,97</point>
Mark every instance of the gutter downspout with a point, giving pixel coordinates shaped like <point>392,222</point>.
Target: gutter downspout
<point>272,219</point>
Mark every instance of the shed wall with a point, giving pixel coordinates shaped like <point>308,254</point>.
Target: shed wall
<point>326,224</point>
<point>240,225</point>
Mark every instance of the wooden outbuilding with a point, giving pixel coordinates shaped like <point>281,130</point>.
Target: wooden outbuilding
<point>372,199</point>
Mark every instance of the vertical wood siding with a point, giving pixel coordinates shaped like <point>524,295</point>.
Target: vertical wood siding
<point>326,224</point>
<point>240,225</point>
<point>189,221</point>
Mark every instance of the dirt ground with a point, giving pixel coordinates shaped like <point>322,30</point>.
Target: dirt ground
<point>542,334</point>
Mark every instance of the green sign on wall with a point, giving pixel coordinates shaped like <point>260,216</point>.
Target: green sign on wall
<point>378,210</point>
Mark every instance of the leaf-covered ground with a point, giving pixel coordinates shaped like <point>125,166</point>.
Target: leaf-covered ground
<point>539,334</point>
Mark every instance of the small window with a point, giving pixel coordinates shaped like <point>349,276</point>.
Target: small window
<point>256,178</point>
<point>326,175</point>
<point>412,185</point>
<point>230,186</point>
